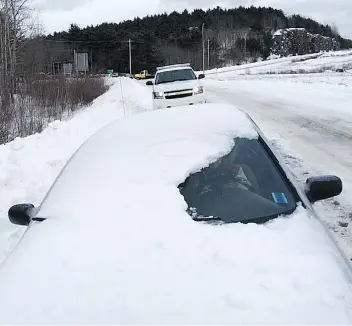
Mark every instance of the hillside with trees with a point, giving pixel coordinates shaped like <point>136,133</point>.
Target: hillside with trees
<point>297,41</point>
<point>231,36</point>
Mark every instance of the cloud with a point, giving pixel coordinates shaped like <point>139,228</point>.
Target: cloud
<point>58,15</point>
<point>93,12</point>
<point>65,5</point>
<point>326,12</point>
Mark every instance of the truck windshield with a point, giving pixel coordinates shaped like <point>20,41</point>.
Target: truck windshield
<point>174,75</point>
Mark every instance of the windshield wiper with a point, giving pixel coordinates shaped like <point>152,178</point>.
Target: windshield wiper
<point>166,82</point>
<point>206,219</point>
<point>256,220</point>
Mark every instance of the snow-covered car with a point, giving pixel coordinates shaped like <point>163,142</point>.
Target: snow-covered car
<point>139,227</point>
<point>176,85</point>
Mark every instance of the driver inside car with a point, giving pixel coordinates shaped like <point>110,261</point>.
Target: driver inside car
<point>233,175</point>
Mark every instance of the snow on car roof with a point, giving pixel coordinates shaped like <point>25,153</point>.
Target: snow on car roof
<point>119,247</point>
<point>172,68</point>
<point>153,149</point>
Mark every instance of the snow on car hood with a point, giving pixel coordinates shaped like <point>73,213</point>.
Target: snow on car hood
<point>177,85</point>
<point>119,247</point>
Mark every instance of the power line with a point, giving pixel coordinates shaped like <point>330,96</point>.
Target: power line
<point>115,41</point>
<point>82,41</point>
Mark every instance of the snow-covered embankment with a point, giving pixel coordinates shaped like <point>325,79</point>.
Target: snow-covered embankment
<point>28,166</point>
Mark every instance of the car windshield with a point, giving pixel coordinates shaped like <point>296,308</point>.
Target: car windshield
<point>174,75</point>
<point>246,185</point>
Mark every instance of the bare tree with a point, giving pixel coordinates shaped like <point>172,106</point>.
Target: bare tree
<point>4,47</point>
<point>244,34</point>
<point>13,16</point>
<point>19,16</point>
<point>335,30</point>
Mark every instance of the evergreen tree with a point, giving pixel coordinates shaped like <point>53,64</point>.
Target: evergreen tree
<point>233,34</point>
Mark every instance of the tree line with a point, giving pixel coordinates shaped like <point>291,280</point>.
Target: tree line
<point>231,36</point>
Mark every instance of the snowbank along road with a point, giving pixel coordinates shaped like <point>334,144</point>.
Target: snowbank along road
<point>29,166</point>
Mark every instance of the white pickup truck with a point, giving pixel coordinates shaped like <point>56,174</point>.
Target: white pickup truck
<point>177,85</point>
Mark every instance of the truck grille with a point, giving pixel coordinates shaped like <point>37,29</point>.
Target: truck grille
<point>170,97</point>
<point>178,94</point>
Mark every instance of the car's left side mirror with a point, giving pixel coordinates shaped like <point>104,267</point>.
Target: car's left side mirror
<point>21,214</point>
<point>323,187</point>
<point>201,76</point>
<point>149,83</point>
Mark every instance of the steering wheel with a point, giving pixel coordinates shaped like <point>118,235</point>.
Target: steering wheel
<point>219,180</point>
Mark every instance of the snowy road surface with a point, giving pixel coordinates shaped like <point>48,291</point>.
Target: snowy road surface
<point>314,120</point>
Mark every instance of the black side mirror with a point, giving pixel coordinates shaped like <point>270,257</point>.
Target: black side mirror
<point>21,214</point>
<point>201,76</point>
<point>149,83</point>
<point>323,187</point>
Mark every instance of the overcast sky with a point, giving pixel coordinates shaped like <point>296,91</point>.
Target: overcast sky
<point>57,15</point>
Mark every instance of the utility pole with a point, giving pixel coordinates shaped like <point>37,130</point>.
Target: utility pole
<point>208,54</point>
<point>91,61</point>
<point>203,48</point>
<point>130,50</point>
<point>75,61</point>
<point>245,46</point>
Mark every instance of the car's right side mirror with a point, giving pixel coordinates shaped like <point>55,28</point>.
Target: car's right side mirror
<point>149,83</point>
<point>201,76</point>
<point>323,187</point>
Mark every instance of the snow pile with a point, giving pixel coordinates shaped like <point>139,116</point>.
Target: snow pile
<point>329,78</point>
<point>119,247</point>
<point>342,53</point>
<point>28,166</point>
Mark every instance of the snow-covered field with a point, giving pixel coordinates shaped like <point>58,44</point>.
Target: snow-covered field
<point>310,63</point>
<point>307,116</point>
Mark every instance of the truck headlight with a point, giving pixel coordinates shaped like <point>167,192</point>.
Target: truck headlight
<point>158,95</point>
<point>198,90</point>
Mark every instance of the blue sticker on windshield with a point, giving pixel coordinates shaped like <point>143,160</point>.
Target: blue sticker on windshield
<point>279,198</point>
